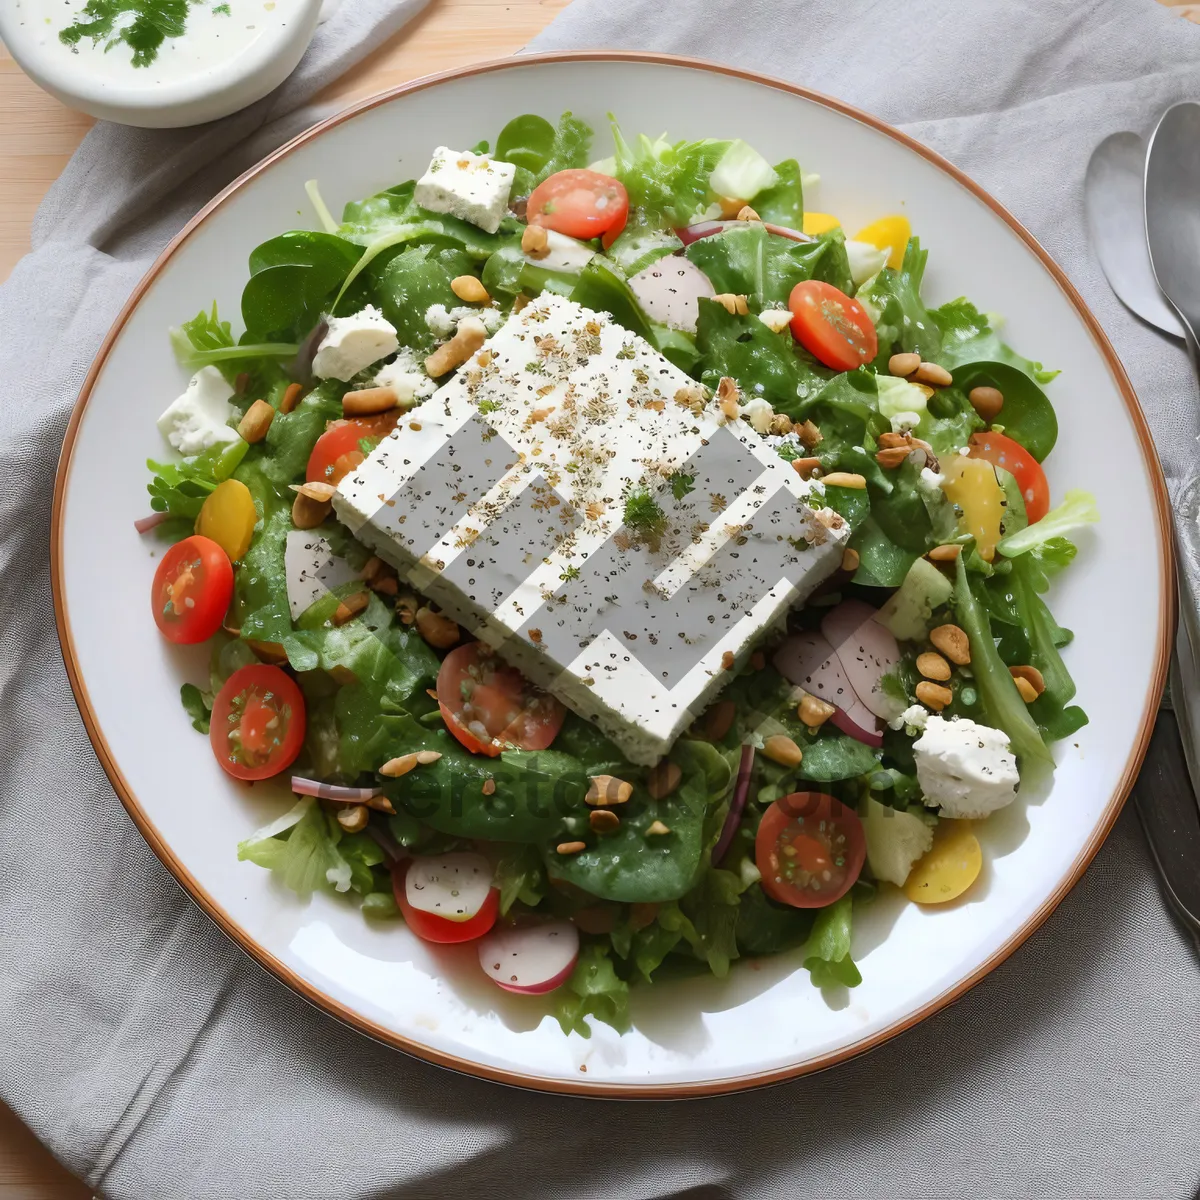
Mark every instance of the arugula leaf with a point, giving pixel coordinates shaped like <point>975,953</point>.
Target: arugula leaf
<point>594,990</point>
<point>181,488</point>
<point>206,341</point>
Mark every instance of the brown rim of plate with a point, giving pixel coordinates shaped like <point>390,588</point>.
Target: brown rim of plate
<point>372,1029</point>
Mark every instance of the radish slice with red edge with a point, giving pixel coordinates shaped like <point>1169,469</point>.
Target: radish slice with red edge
<point>867,652</point>
<point>807,660</point>
<point>858,722</point>
<point>737,805</point>
<point>451,886</point>
<point>530,959</point>
<point>669,292</point>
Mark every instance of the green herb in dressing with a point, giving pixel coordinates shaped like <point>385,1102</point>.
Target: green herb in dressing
<point>153,22</point>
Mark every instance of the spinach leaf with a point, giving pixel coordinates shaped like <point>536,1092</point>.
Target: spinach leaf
<point>409,284</point>
<point>970,336</point>
<point>1027,415</point>
<point>747,260</point>
<point>765,927</point>
<point>293,278</point>
<point>836,756</point>
<point>196,706</point>
<point>601,289</point>
<point>783,202</point>
<point>631,866</point>
<point>527,142</point>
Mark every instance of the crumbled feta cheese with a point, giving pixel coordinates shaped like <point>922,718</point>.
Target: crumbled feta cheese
<point>776,319</point>
<point>198,420</point>
<point>865,261</point>
<point>912,719</point>
<point>965,769</point>
<point>905,422</point>
<point>930,482</point>
<point>353,344</point>
<point>407,378</point>
<point>443,322</point>
<point>759,413</point>
<point>471,187</point>
<point>507,500</point>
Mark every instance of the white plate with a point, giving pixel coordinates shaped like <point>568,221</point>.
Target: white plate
<point>766,1022</point>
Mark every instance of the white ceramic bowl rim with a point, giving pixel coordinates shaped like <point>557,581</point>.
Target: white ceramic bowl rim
<point>1144,718</point>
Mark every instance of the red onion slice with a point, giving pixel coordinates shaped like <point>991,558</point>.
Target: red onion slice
<point>333,791</point>
<point>737,805</point>
<point>702,229</point>
<point>145,524</point>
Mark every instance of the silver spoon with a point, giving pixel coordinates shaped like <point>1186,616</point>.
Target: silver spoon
<point>1113,192</point>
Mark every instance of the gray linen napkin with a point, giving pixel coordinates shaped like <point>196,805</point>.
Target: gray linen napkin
<point>159,1062</point>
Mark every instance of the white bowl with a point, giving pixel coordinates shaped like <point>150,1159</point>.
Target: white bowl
<point>193,78</point>
<point>766,1022</point>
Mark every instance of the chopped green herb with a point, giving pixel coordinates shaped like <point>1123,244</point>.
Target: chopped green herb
<point>642,513</point>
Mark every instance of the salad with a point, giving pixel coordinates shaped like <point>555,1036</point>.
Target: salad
<point>626,566</point>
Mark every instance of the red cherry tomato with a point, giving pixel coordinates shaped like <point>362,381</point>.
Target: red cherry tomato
<point>429,927</point>
<point>810,849</point>
<point>490,706</point>
<point>831,326</point>
<point>191,591</point>
<point>1002,451</point>
<point>581,204</point>
<point>338,450</point>
<point>257,724</point>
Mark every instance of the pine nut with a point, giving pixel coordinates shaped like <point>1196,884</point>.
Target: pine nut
<point>814,712</point>
<point>946,553</point>
<point>934,375</point>
<point>893,457</point>
<point>782,750</point>
<point>664,779</point>
<point>804,467</point>
<point>470,336</point>
<point>350,607</point>
<point>933,695</point>
<point>380,804</point>
<point>903,364</point>
<point>850,559</point>
<point>395,767</point>
<point>933,666</point>
<point>735,306</point>
<point>470,290</point>
<point>1027,690</point>
<point>656,829</point>
<point>368,401</point>
<point>352,817</point>
<point>746,213</point>
<point>308,513</point>
<point>606,790</point>
<point>291,397</point>
<point>846,479</point>
<point>570,847</point>
<point>535,242</point>
<point>808,434</point>
<point>439,631</point>
<point>893,441</point>
<point>425,757</point>
<point>603,820</point>
<point>1032,676</point>
<point>315,490</point>
<point>987,402</point>
<point>254,425</point>
<point>781,424</point>
<point>718,721</point>
<point>953,643</point>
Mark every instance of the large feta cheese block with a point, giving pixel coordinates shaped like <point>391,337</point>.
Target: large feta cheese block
<point>583,506</point>
<point>472,187</point>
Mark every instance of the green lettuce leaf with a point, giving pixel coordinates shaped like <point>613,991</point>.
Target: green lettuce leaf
<point>827,956</point>
<point>1077,509</point>
<point>301,847</point>
<point>594,990</point>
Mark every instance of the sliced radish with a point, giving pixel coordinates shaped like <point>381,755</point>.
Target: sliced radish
<point>669,291</point>
<point>867,652</point>
<point>451,886</point>
<point>808,660</point>
<point>530,959</point>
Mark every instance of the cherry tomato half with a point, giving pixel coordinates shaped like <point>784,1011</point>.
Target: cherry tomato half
<point>429,927</point>
<point>490,706</point>
<point>582,204</point>
<point>1002,451</point>
<point>831,326</point>
<point>257,724</point>
<point>810,849</point>
<point>191,591</point>
<point>339,451</point>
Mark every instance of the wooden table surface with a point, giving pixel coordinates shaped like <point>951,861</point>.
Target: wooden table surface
<point>38,135</point>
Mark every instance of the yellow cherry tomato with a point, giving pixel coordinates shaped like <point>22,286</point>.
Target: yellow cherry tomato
<point>971,484</point>
<point>950,867</point>
<point>888,233</point>
<point>816,224</point>
<point>228,517</point>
